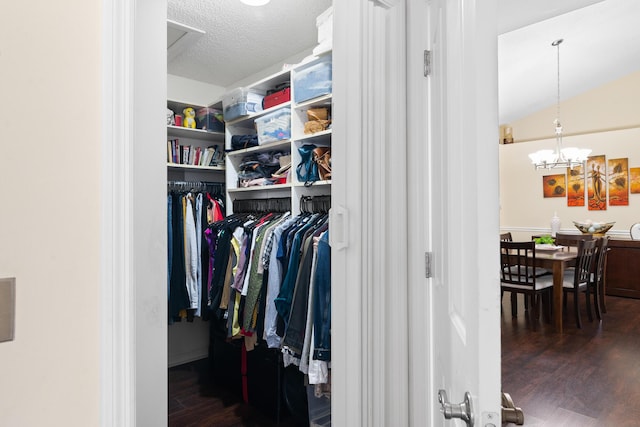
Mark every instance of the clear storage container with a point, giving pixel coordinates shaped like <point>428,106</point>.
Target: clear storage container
<point>312,80</point>
<point>241,102</point>
<point>274,126</point>
<point>209,119</point>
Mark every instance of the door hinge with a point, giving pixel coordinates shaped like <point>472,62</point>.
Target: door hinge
<point>427,63</point>
<point>428,256</point>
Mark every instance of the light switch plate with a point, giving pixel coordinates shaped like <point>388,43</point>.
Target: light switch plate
<point>7,308</point>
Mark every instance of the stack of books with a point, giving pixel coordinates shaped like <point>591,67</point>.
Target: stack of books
<point>194,155</point>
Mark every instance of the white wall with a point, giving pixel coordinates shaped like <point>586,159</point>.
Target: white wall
<point>524,211</point>
<point>49,224</point>
<point>192,91</point>
<point>275,68</point>
<point>521,201</point>
<point>615,105</point>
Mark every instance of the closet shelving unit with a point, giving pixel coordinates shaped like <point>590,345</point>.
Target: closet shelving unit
<point>293,190</point>
<point>245,125</point>
<point>188,340</point>
<point>197,138</point>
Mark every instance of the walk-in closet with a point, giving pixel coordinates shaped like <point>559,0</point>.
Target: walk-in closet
<point>248,200</point>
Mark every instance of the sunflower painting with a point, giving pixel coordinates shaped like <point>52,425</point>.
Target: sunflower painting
<point>618,179</point>
<point>554,186</point>
<point>634,180</point>
<point>575,186</point>
<point>596,191</point>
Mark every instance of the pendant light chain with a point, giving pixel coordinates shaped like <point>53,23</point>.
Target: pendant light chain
<point>561,157</point>
<point>558,51</point>
<point>558,125</point>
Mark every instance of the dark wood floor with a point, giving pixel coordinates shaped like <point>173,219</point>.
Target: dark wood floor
<point>195,401</point>
<point>583,377</point>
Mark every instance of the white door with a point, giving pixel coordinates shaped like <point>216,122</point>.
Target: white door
<point>457,193</point>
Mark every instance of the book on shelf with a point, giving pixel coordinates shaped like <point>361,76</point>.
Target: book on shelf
<point>218,156</point>
<point>193,155</point>
<point>206,157</point>
<point>176,151</point>
<point>184,158</point>
<point>192,152</point>
<point>196,156</point>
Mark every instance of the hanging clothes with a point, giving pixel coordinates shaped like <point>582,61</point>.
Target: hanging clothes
<point>269,282</point>
<point>187,256</point>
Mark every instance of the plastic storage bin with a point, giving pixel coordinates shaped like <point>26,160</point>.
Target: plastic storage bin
<point>274,126</point>
<point>312,80</point>
<point>209,119</point>
<point>324,22</point>
<point>241,102</point>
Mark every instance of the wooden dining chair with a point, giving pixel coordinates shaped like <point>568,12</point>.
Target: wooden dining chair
<point>577,279</point>
<point>571,239</point>
<point>507,237</point>
<point>596,285</point>
<point>517,267</point>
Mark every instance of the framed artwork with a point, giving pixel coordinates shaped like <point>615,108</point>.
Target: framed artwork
<point>634,180</point>
<point>575,186</point>
<point>554,186</point>
<point>618,179</point>
<point>596,188</point>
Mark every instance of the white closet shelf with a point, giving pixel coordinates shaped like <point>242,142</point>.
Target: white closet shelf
<point>315,183</point>
<point>321,100</point>
<point>194,167</point>
<point>285,143</point>
<point>260,188</point>
<point>325,134</point>
<point>182,132</point>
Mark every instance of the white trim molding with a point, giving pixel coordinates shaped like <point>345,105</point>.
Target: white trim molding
<point>534,231</point>
<point>117,385</point>
<point>369,274</point>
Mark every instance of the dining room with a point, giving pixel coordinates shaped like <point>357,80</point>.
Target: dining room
<point>573,376</point>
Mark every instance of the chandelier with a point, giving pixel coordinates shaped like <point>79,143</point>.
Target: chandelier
<point>560,157</point>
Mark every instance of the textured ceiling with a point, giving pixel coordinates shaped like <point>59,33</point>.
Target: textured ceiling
<point>601,44</point>
<point>241,40</point>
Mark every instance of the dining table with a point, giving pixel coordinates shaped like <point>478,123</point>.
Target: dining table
<point>557,260</point>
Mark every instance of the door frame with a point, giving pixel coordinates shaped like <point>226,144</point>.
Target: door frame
<point>369,215</point>
<point>371,379</point>
<point>133,223</point>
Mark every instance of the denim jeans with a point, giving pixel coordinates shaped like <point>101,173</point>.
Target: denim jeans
<point>169,246</point>
<point>322,301</point>
<point>294,334</point>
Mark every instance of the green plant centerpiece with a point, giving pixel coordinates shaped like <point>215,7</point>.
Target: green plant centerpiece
<point>544,240</point>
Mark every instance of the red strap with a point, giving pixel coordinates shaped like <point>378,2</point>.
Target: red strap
<point>243,371</point>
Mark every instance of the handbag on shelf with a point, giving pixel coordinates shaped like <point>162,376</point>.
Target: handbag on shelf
<point>322,158</point>
<point>317,120</point>
<point>307,169</point>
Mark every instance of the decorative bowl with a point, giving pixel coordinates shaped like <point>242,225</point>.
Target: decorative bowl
<point>595,228</point>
